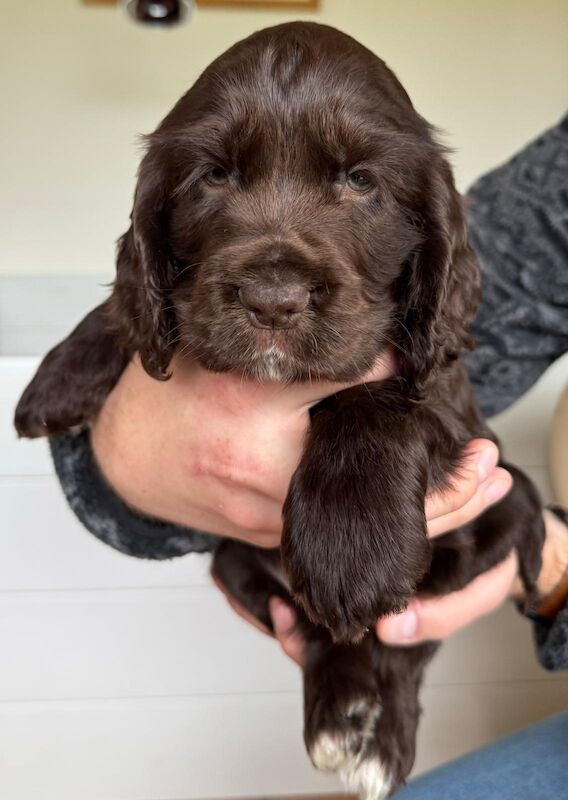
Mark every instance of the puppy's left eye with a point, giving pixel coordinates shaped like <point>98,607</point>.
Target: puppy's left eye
<point>217,176</point>
<point>358,181</point>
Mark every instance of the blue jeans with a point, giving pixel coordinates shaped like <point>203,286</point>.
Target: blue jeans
<point>530,765</point>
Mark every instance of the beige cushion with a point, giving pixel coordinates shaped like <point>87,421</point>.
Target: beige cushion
<point>558,450</point>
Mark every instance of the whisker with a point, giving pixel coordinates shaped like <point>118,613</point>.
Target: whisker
<point>395,344</point>
<point>404,328</point>
<point>175,340</point>
<point>188,266</point>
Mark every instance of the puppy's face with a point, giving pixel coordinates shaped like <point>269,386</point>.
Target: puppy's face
<point>287,238</point>
<point>281,208</point>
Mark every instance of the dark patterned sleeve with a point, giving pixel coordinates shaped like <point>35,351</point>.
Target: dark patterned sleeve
<point>551,638</point>
<point>108,517</point>
<point>518,218</point>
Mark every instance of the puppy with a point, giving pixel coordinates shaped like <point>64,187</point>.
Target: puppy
<point>293,217</point>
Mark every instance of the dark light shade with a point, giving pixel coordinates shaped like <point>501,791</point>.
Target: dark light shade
<point>157,12</point>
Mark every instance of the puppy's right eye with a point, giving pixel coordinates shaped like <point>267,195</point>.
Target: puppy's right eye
<point>359,181</point>
<point>217,176</point>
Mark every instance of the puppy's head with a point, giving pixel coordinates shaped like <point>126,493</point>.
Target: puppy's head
<point>293,217</point>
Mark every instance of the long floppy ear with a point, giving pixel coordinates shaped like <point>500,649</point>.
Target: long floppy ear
<point>140,308</point>
<point>75,377</point>
<point>440,289</point>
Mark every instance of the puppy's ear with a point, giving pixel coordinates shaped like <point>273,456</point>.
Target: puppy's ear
<point>139,303</point>
<point>439,290</point>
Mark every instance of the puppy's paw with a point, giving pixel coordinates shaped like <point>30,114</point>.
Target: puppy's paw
<point>29,423</point>
<point>368,777</point>
<point>354,539</point>
<point>339,730</point>
<point>340,741</point>
<point>349,563</point>
<point>38,415</point>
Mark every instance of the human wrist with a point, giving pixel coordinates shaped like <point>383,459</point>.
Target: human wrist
<point>552,583</point>
<point>554,553</point>
<point>103,446</point>
<point>116,438</point>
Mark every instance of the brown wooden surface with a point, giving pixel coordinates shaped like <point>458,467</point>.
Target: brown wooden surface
<point>260,3</point>
<point>304,797</point>
<point>282,4</point>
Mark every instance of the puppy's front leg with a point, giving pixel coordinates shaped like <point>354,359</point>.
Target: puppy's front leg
<point>354,542</point>
<point>73,380</point>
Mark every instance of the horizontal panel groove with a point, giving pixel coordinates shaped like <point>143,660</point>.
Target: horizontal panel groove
<point>31,595</point>
<point>169,748</point>
<point>51,551</point>
<point>50,702</point>
<point>6,478</point>
<point>175,641</point>
<point>53,701</point>
<point>18,594</point>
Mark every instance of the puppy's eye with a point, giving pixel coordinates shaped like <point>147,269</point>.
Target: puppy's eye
<point>358,181</point>
<point>217,176</point>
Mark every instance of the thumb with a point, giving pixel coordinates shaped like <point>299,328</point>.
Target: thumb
<point>284,622</point>
<point>437,617</point>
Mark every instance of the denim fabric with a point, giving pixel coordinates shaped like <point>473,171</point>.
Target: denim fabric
<point>530,765</point>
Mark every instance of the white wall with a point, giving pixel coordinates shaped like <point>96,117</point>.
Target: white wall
<point>79,83</point>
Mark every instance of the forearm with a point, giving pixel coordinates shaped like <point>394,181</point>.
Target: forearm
<point>107,516</point>
<point>554,557</point>
<point>551,615</point>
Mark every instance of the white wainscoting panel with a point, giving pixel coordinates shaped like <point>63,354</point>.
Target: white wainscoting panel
<point>125,679</point>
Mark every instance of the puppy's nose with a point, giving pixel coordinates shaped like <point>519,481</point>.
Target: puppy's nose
<point>274,306</point>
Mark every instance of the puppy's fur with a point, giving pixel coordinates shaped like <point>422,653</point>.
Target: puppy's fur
<point>297,173</point>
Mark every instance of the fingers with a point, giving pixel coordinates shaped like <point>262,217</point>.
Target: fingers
<point>284,620</point>
<point>478,485</point>
<point>487,494</point>
<point>241,610</point>
<point>438,617</point>
<point>478,464</point>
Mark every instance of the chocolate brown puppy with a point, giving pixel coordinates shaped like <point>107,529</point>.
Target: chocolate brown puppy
<point>293,217</point>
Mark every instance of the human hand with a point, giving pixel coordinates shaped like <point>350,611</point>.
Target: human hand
<point>210,451</point>
<point>480,484</point>
<point>439,617</point>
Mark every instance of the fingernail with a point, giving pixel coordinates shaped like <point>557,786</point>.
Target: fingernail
<point>496,490</point>
<point>401,627</point>
<point>283,617</point>
<point>486,462</point>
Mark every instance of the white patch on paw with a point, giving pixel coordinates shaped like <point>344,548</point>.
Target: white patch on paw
<point>336,751</point>
<point>368,778</point>
<point>333,751</point>
<point>361,707</point>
